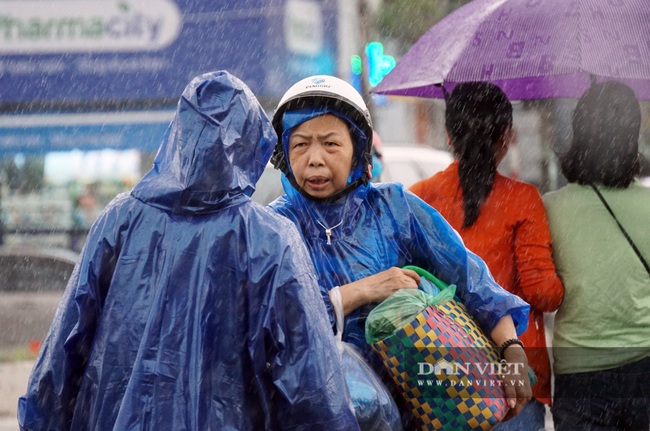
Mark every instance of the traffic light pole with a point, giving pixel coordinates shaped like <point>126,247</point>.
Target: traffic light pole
<point>366,24</point>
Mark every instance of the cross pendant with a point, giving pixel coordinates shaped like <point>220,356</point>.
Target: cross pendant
<point>328,233</point>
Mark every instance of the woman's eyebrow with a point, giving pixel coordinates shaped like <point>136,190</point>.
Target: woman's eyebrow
<point>300,135</point>
<point>309,135</point>
<point>328,134</point>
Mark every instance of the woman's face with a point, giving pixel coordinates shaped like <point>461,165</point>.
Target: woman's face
<point>320,155</point>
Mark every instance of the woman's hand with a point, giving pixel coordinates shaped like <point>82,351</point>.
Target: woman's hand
<point>515,378</point>
<point>376,288</point>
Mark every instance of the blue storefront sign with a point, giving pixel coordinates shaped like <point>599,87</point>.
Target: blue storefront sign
<point>87,55</point>
<point>38,133</point>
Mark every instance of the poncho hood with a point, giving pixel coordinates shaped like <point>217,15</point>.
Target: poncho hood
<point>218,126</point>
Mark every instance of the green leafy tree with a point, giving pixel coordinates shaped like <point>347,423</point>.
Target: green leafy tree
<point>26,176</point>
<point>405,21</point>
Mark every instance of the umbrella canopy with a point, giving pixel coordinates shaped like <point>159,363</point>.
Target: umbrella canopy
<point>532,49</point>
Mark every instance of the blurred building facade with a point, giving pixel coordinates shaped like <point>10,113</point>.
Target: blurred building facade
<point>97,75</point>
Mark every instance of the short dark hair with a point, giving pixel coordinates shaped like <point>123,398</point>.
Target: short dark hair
<point>605,145</point>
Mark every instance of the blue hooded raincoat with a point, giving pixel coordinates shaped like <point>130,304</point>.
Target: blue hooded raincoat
<point>383,226</point>
<point>193,308</point>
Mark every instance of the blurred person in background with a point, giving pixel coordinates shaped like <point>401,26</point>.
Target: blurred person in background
<point>360,234</point>
<point>192,307</point>
<point>87,209</point>
<point>601,339</point>
<point>500,219</point>
<point>85,212</point>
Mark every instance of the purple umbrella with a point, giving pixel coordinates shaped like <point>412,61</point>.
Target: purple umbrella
<point>532,49</point>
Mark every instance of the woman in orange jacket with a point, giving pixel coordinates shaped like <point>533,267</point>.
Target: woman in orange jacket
<point>500,219</point>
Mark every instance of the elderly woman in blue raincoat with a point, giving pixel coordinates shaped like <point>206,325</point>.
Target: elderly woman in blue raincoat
<point>360,234</point>
<point>193,308</point>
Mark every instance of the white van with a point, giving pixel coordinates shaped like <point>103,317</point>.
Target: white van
<point>408,164</point>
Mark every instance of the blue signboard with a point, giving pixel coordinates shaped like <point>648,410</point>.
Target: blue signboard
<point>39,133</point>
<point>85,54</point>
<point>115,50</point>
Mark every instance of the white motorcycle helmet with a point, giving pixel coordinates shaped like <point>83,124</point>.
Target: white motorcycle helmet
<point>327,92</point>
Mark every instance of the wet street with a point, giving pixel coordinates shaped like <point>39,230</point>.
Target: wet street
<point>8,425</point>
<point>25,318</point>
<point>13,376</point>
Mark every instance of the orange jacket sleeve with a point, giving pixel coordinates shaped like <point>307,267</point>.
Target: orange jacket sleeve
<point>539,283</point>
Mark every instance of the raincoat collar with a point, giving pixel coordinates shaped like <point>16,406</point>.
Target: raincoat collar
<point>214,150</point>
<point>311,212</point>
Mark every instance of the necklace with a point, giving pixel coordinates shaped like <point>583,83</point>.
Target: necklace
<point>328,230</point>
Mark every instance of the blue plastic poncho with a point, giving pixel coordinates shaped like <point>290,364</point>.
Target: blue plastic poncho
<point>381,226</point>
<point>193,308</point>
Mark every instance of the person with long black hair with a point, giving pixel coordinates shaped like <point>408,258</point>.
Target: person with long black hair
<point>500,219</point>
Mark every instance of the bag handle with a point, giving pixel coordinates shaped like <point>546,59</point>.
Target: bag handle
<point>426,274</point>
<point>337,305</point>
<point>627,237</point>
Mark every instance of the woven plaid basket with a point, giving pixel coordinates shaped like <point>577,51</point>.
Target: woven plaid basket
<point>446,368</point>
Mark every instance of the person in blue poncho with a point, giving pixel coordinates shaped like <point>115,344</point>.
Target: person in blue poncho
<point>193,308</point>
<point>360,234</point>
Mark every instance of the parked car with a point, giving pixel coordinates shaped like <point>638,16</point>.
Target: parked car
<point>269,186</point>
<point>405,164</point>
<point>412,163</point>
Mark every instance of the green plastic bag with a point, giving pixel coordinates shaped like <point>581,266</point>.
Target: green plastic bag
<point>404,305</point>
